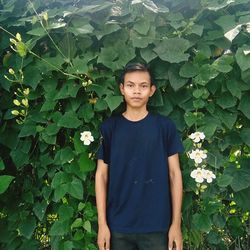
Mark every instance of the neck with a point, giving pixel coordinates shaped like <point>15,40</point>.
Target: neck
<point>135,114</point>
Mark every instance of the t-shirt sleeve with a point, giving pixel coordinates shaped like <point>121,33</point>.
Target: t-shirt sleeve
<point>103,150</point>
<point>173,143</point>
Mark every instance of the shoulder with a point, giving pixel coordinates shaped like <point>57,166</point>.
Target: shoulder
<point>109,122</point>
<point>165,121</point>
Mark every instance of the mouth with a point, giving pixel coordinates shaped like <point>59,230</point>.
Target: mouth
<point>136,98</point>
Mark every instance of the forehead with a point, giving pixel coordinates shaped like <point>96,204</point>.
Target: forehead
<point>137,77</point>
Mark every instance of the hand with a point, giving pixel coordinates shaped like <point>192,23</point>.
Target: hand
<point>103,238</point>
<point>175,238</point>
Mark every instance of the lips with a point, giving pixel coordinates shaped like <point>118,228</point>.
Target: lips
<point>136,98</point>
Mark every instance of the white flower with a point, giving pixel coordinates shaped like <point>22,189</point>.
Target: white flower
<point>197,136</point>
<point>86,137</point>
<point>209,176</point>
<point>198,174</point>
<point>198,155</point>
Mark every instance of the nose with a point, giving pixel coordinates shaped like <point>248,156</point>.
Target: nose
<point>137,89</point>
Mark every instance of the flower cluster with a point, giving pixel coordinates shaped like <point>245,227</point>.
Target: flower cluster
<point>22,104</point>
<point>199,155</point>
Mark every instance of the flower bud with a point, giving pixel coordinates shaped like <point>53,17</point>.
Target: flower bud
<point>45,16</point>
<point>25,102</point>
<point>13,41</point>
<point>14,112</point>
<point>89,82</point>
<point>26,91</point>
<point>11,71</point>
<point>16,102</point>
<point>22,112</point>
<point>84,84</point>
<point>18,37</point>
<point>92,100</point>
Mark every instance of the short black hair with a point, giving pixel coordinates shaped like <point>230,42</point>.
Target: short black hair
<point>136,66</point>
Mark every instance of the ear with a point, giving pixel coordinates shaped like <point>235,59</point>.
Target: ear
<point>152,89</point>
<point>121,86</point>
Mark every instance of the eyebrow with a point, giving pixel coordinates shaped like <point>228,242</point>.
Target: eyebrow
<point>139,83</point>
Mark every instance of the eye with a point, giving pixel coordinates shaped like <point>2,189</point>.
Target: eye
<point>144,86</point>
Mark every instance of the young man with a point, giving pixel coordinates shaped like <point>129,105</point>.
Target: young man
<point>138,177</point>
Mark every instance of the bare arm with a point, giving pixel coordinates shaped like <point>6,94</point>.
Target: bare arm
<point>176,195</point>
<point>101,180</point>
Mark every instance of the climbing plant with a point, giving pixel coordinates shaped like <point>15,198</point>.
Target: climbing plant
<point>59,75</point>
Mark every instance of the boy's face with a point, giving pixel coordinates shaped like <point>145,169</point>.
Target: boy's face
<point>137,88</point>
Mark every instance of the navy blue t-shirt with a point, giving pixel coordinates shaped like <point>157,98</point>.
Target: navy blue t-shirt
<point>138,196</point>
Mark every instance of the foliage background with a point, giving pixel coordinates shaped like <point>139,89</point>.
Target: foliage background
<point>203,79</point>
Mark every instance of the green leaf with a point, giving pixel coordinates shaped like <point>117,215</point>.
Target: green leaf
<point>113,101</point>
<point>227,118</point>
<point>87,226</point>
<point>206,73</point>
<point>40,209</point>
<point>69,89</point>
<point>77,223</point>
<point>142,26</point>
<point>65,212</point>
<point>148,54</point>
<point>190,118</point>
<point>59,179</point>
<point>75,189</point>
<point>28,129</point>
<point>37,32</point>
<point>173,50</point>
<point>245,135</point>
<point>78,144</point>
<point>86,112</point>
<point>27,227</point>
<point>219,220</point>
<point>156,100</point>
<point>242,198</point>
<point>244,105</point>
<point>213,238</point>
<point>2,166</point>
<point>5,181</point>
<point>226,100</point>
<point>60,192</point>
<point>209,128</point>
<point>234,88</point>
<point>222,64</point>
<point>243,59</point>
<point>30,78</point>
<point>195,29</point>
<point>175,80</point>
<point>106,29</point>
<point>227,22</point>
<point>202,222</point>
<point>139,41</point>
<point>199,92</point>
<point>69,120</point>
<point>224,180</point>
<point>81,28</point>
<point>52,129</point>
<point>189,70</point>
<point>63,156</point>
<point>85,163</point>
<point>59,228</point>
<point>241,179</point>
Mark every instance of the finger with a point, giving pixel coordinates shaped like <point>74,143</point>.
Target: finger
<point>107,244</point>
<point>170,243</point>
<point>179,245</point>
<point>101,245</point>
